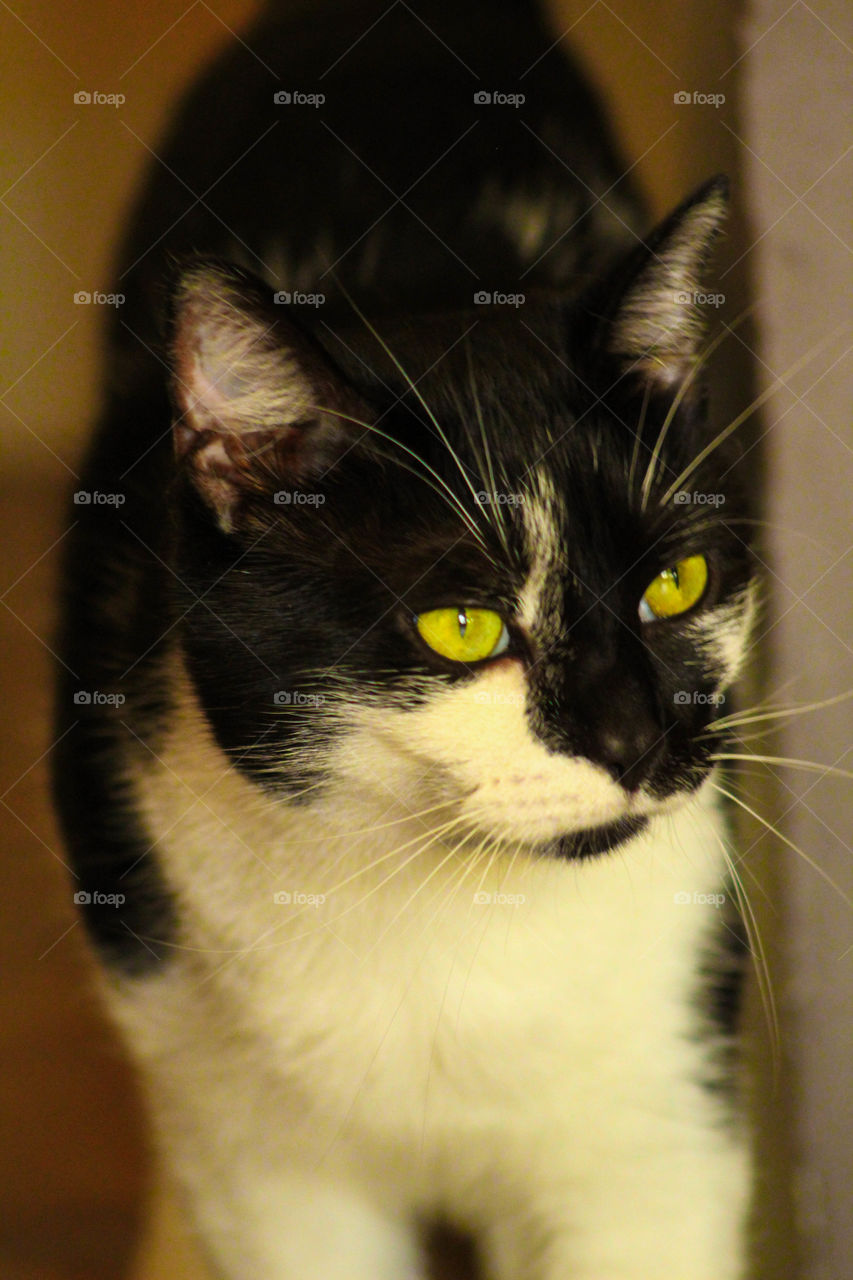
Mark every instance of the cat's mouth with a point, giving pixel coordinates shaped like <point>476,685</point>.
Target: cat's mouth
<point>589,842</point>
<point>595,840</point>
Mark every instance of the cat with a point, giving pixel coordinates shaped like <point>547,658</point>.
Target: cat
<point>408,577</point>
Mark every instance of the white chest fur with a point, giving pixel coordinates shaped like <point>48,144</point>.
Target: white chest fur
<point>353,997</point>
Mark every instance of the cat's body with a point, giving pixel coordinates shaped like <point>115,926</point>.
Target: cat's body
<point>407,938</point>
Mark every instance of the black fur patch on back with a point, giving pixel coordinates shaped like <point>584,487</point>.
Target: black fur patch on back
<point>111,700</point>
<point>118,884</point>
<point>719,999</point>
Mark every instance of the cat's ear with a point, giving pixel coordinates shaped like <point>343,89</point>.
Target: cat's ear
<point>258,406</point>
<point>660,319</point>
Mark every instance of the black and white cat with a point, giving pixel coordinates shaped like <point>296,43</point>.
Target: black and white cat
<point>386,769</point>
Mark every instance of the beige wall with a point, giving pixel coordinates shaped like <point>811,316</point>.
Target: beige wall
<point>797,82</point>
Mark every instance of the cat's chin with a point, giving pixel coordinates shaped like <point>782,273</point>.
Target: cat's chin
<point>595,840</point>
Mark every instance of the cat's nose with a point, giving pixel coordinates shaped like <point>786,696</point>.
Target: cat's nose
<point>628,751</point>
<point>620,728</point>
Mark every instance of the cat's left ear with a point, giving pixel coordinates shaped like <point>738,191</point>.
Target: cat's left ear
<point>659,320</point>
<point>258,404</point>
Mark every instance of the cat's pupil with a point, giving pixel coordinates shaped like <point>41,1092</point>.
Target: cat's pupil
<point>462,618</point>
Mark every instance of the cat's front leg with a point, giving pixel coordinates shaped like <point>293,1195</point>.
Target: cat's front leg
<point>299,1227</point>
<point>677,1215</point>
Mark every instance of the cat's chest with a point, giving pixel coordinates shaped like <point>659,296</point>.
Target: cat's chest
<point>381,974</point>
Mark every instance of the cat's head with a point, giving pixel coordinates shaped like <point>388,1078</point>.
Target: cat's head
<point>494,561</point>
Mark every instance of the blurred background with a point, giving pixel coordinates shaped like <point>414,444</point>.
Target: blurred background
<point>80,1198</point>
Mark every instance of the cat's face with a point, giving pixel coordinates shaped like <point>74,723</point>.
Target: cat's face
<point>511,596</point>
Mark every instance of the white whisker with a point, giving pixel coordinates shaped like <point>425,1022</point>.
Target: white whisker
<point>747,413</point>
<point>735,799</point>
<point>826,770</point>
<point>685,386</point>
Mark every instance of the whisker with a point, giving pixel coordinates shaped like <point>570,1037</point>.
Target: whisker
<point>499,520</point>
<point>759,954</point>
<point>748,412</point>
<point>638,436</point>
<point>738,718</point>
<point>826,770</point>
<point>738,800</point>
<point>449,495</point>
<point>412,385</point>
<point>685,386</point>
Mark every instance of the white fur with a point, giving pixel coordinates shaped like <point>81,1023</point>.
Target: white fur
<point>721,635</point>
<point>537,610</point>
<point>388,1044</point>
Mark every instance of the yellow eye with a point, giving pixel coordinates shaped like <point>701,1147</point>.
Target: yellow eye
<point>463,635</point>
<point>675,590</point>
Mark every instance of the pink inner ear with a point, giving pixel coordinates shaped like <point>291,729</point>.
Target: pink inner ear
<point>204,403</point>
<point>661,323</point>
<point>252,394</point>
<point>234,372</point>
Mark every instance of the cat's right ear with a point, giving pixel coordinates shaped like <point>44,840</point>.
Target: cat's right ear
<point>258,406</point>
<point>654,323</point>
